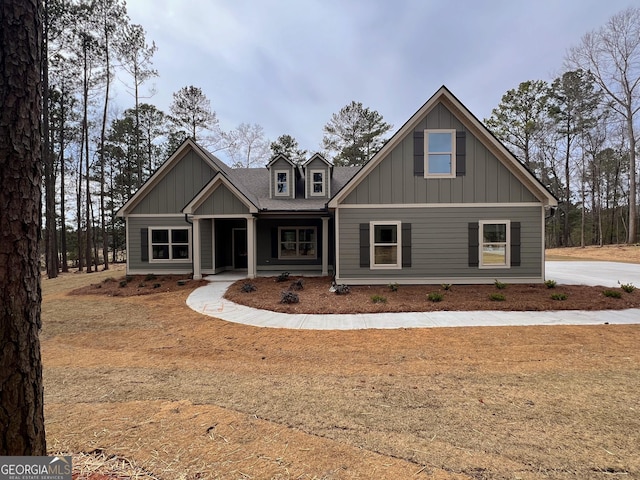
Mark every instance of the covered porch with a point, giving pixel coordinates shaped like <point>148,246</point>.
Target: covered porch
<point>253,245</point>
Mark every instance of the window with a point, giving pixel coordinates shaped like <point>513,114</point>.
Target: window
<point>385,244</point>
<point>440,157</point>
<point>170,244</point>
<point>297,243</point>
<point>282,183</point>
<point>317,182</point>
<point>494,243</point>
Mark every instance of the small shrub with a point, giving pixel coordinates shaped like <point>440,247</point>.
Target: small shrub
<point>627,287</point>
<point>550,283</point>
<point>342,289</point>
<point>142,285</point>
<point>558,296</point>
<point>248,287</point>
<point>150,277</point>
<point>283,277</point>
<point>500,285</point>
<point>182,283</point>
<point>435,296</point>
<point>157,285</point>
<point>393,287</point>
<point>123,283</point>
<point>612,294</point>
<point>497,297</point>
<point>446,286</point>
<point>289,297</point>
<point>296,285</point>
<point>378,299</point>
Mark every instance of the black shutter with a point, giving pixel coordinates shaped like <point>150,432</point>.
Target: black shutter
<point>515,244</point>
<point>461,153</point>
<point>274,242</point>
<point>418,154</point>
<point>406,245</point>
<point>144,244</point>
<point>473,245</point>
<point>364,245</point>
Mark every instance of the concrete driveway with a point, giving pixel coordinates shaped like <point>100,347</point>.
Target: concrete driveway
<point>607,274</point>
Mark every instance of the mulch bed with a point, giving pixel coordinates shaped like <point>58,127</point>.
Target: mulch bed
<point>316,297</point>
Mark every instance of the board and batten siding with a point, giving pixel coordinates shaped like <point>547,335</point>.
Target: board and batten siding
<point>282,165</point>
<point>135,264</point>
<point>222,202</point>
<point>486,179</point>
<point>439,244</point>
<point>178,187</point>
<point>316,164</point>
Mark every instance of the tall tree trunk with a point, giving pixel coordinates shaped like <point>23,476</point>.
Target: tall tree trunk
<point>51,243</point>
<point>85,147</point>
<point>633,212</point>
<point>21,392</point>
<point>63,210</point>
<point>103,135</point>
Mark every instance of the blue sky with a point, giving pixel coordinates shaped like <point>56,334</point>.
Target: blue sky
<point>289,65</point>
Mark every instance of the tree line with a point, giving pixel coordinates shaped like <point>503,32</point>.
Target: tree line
<point>575,133</point>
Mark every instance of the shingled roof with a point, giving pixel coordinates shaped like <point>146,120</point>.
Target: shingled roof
<point>254,184</point>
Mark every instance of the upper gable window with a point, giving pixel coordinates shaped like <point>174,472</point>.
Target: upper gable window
<point>282,183</point>
<point>440,153</point>
<point>317,183</point>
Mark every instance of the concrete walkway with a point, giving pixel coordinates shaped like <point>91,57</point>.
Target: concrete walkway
<point>209,300</point>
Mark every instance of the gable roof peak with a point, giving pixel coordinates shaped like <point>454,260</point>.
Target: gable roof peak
<point>280,156</point>
<point>318,156</point>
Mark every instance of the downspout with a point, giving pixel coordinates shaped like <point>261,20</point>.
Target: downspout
<point>186,219</point>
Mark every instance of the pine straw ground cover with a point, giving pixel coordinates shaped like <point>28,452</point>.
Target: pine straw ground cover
<point>145,386</point>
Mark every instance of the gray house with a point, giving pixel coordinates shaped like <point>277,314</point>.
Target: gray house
<point>442,202</point>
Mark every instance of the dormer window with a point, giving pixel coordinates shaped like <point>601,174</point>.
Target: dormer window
<point>282,183</point>
<point>317,183</point>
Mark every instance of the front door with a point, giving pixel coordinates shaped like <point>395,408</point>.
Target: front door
<point>239,247</point>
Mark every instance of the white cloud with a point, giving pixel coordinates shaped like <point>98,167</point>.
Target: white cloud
<point>288,65</point>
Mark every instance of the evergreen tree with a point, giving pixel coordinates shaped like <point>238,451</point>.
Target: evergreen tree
<point>354,135</point>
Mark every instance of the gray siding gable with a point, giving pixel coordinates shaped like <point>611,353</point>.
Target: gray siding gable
<point>222,202</point>
<point>315,164</point>
<point>491,173</point>
<point>486,178</point>
<point>280,164</point>
<point>189,174</point>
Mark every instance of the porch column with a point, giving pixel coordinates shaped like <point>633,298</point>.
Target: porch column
<point>251,247</point>
<point>325,246</point>
<point>197,273</point>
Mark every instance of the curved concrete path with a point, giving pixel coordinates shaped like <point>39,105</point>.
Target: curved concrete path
<point>209,300</point>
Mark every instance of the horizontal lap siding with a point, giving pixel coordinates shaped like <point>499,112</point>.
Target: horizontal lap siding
<point>135,224</point>
<point>439,241</point>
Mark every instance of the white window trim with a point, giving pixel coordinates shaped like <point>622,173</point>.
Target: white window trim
<point>169,260</point>
<point>312,183</point>
<point>288,183</point>
<point>297,228</point>
<point>372,246</point>
<point>481,225</point>
<point>452,173</point>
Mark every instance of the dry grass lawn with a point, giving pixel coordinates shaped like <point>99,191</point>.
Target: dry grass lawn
<point>145,386</point>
